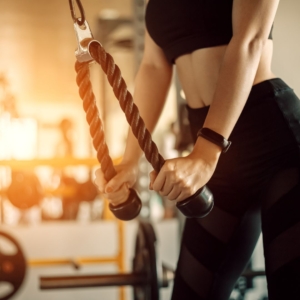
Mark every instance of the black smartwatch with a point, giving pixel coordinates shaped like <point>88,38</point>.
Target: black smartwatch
<point>215,138</point>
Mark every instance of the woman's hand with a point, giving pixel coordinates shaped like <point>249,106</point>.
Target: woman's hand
<point>182,177</point>
<point>117,189</point>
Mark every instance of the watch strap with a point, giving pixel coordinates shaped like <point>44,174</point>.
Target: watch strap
<point>215,138</point>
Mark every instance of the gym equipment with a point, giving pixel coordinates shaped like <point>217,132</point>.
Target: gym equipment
<point>25,190</point>
<point>147,276</point>
<point>89,50</point>
<point>12,266</point>
<point>68,187</point>
<point>87,191</point>
<point>78,192</point>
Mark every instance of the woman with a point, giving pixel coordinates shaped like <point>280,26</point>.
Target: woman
<point>222,50</point>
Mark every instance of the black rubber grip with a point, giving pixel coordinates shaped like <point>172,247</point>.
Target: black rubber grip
<point>199,205</point>
<point>129,209</point>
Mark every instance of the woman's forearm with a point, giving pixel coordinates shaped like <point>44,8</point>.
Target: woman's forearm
<point>151,87</point>
<point>235,80</point>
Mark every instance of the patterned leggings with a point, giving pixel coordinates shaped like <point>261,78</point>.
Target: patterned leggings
<point>256,188</point>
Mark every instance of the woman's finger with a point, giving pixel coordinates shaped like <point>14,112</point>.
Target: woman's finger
<point>152,176</point>
<point>119,196</point>
<point>100,181</point>
<point>174,195</point>
<point>160,180</point>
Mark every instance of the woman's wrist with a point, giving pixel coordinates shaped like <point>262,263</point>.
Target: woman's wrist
<point>132,161</point>
<point>132,155</point>
<point>206,150</point>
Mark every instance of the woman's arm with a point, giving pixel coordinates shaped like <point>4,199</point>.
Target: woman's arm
<point>252,20</point>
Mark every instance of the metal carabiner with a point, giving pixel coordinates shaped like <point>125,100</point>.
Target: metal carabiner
<point>84,38</point>
<point>83,34</point>
<point>80,21</point>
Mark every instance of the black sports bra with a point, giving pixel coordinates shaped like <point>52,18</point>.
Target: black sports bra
<point>182,26</point>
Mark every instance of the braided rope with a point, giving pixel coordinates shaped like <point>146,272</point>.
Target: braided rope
<point>93,119</point>
<point>133,117</point>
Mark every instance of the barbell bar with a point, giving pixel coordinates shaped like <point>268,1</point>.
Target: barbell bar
<point>147,277</point>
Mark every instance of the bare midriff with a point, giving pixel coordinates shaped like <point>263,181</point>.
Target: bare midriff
<point>198,72</point>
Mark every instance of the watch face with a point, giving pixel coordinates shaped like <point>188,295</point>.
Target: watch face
<point>227,146</point>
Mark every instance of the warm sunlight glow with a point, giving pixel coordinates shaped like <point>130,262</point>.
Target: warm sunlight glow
<point>18,138</point>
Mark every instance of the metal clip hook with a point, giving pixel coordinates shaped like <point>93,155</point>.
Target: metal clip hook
<point>80,20</point>
<point>84,38</point>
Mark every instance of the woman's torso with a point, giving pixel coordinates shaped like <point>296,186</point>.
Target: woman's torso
<point>194,35</point>
<point>198,72</point>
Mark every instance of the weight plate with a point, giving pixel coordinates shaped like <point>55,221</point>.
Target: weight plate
<point>12,265</point>
<point>144,262</point>
<point>25,190</point>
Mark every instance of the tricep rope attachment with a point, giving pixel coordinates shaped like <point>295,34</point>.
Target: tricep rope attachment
<point>90,50</point>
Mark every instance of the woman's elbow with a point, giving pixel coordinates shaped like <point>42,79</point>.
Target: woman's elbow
<point>257,43</point>
<point>252,45</point>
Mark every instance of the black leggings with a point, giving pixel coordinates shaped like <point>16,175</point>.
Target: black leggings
<point>256,187</point>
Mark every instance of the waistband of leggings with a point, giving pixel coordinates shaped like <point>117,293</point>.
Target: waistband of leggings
<point>267,88</point>
<point>259,91</point>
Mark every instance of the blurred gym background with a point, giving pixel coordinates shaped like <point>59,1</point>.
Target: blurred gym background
<point>48,203</point>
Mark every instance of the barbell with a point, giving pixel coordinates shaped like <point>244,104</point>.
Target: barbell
<point>147,275</point>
